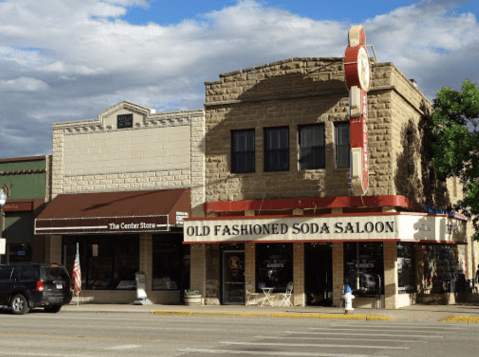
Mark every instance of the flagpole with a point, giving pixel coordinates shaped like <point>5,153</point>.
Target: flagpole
<point>78,295</point>
<point>77,275</point>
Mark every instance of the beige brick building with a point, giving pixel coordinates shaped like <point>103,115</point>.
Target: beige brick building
<point>278,201</point>
<point>121,185</point>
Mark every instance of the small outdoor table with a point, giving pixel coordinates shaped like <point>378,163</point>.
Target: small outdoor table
<point>268,299</point>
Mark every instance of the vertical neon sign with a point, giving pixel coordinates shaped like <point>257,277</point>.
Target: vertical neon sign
<point>357,69</point>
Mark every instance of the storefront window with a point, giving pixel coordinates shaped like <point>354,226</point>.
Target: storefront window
<point>168,261</point>
<point>443,269</point>
<point>19,253</point>
<point>107,263</point>
<point>274,265</point>
<point>405,256</point>
<point>364,268</point>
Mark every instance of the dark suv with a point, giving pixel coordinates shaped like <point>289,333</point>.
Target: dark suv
<point>24,286</point>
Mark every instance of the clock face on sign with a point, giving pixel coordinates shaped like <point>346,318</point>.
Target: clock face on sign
<point>364,69</point>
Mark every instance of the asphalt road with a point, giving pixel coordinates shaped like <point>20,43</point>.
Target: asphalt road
<point>143,334</point>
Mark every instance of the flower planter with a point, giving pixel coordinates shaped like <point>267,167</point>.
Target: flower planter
<point>193,300</point>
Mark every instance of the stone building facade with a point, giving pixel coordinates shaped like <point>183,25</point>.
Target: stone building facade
<point>278,200</point>
<point>121,185</point>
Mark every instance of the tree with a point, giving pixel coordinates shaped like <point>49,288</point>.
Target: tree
<point>454,127</point>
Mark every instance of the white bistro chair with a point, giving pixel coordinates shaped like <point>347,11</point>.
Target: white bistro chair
<point>286,301</point>
<point>251,296</point>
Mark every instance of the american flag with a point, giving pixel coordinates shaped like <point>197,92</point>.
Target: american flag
<point>77,274</point>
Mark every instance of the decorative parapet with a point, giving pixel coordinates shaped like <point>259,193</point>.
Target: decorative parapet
<point>150,120</point>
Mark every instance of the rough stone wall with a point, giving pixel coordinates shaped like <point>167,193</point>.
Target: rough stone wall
<point>160,151</point>
<point>390,274</point>
<point>213,269</point>
<point>198,269</point>
<point>304,91</point>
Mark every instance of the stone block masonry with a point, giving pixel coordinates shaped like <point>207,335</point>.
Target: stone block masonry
<point>158,151</point>
<point>306,91</point>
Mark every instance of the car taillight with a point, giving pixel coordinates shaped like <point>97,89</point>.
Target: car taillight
<point>40,285</point>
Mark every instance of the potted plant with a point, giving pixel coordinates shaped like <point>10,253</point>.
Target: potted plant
<point>192,298</point>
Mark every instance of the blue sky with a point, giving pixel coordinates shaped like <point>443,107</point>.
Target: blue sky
<point>69,60</point>
<point>170,12</point>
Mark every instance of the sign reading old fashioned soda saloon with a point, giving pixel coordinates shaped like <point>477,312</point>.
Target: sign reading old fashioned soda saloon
<point>394,226</point>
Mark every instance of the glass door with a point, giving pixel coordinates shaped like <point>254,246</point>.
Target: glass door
<point>233,277</point>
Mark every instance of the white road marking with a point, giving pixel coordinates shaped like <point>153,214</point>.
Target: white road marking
<point>339,338</point>
<point>271,353</point>
<point>170,328</point>
<point>123,347</point>
<point>361,334</point>
<point>41,354</point>
<point>362,329</point>
<point>401,325</point>
<point>313,345</point>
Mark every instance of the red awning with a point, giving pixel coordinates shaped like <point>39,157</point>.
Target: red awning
<point>114,212</point>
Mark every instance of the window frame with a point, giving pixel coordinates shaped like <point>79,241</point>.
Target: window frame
<point>338,146</point>
<point>314,149</point>
<point>247,154</point>
<point>276,153</point>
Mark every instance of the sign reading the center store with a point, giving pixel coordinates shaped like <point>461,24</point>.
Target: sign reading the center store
<point>102,225</point>
<point>380,227</point>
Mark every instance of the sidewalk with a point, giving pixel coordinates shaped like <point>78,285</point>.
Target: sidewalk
<point>417,313</point>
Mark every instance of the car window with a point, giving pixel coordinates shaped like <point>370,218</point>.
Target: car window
<point>5,273</point>
<point>28,273</point>
<point>49,273</point>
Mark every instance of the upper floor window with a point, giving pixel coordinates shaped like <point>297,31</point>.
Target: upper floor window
<point>276,149</point>
<point>342,144</point>
<point>124,121</point>
<point>242,151</point>
<point>311,147</point>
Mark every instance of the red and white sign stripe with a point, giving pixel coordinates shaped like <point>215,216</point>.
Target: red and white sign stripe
<point>358,80</point>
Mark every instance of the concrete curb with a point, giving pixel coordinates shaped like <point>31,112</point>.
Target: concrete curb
<point>468,319</point>
<point>279,315</point>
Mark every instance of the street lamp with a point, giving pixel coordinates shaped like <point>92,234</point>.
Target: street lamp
<point>3,199</point>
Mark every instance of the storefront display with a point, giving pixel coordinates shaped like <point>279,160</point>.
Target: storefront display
<point>364,268</point>
<point>108,263</point>
<point>274,266</point>
<point>406,272</point>
<point>168,264</point>
<point>443,269</point>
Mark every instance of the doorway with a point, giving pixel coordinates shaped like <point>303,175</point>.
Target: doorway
<point>318,266</point>
<point>233,277</point>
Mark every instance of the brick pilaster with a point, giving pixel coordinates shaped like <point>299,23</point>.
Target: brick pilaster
<point>338,272</point>
<point>298,275</point>
<point>390,274</point>
<point>146,259</point>
<point>198,268</point>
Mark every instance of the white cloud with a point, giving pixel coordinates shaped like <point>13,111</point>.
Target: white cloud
<point>23,84</point>
<point>88,57</point>
<point>61,67</point>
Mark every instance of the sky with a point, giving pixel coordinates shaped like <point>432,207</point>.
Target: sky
<point>68,60</point>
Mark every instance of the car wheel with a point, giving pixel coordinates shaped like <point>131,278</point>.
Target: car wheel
<point>54,308</point>
<point>19,305</point>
